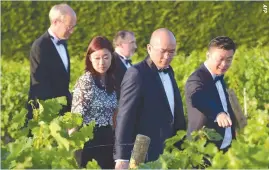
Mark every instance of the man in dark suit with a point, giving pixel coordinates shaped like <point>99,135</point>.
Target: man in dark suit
<point>125,46</point>
<point>206,97</point>
<point>150,102</point>
<point>49,59</point>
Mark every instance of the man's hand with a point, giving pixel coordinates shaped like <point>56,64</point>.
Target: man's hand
<point>122,164</point>
<point>224,120</point>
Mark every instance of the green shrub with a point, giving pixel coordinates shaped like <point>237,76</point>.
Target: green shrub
<point>194,23</point>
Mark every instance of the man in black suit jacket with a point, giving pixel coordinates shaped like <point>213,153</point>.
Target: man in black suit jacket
<point>206,97</point>
<point>125,46</point>
<point>150,102</point>
<point>49,59</point>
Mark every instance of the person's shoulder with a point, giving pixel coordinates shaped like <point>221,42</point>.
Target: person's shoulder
<point>140,65</point>
<point>115,54</point>
<point>116,58</point>
<point>39,48</point>
<point>85,81</point>
<point>87,76</point>
<point>41,40</point>
<point>134,73</point>
<point>135,69</point>
<point>198,74</point>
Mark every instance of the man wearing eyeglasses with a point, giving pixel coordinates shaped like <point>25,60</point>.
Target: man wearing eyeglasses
<point>150,102</point>
<point>49,59</point>
<point>206,97</point>
<point>125,46</point>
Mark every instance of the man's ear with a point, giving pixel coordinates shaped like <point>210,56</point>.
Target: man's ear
<point>53,22</point>
<point>120,45</point>
<point>207,54</point>
<point>148,48</point>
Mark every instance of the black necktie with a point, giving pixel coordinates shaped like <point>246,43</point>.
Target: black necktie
<point>164,70</point>
<point>127,61</point>
<point>217,78</point>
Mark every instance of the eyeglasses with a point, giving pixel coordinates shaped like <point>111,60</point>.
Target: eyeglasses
<point>162,51</point>
<point>68,27</point>
<point>129,42</point>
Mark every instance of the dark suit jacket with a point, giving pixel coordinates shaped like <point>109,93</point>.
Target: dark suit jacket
<point>144,109</point>
<point>118,73</point>
<point>203,102</point>
<point>49,78</point>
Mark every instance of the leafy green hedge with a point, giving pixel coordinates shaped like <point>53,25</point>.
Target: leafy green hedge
<point>249,151</point>
<point>194,23</point>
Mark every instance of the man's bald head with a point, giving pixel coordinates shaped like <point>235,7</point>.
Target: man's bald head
<point>162,47</point>
<point>160,35</point>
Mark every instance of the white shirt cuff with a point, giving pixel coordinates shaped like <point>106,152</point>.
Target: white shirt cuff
<point>124,160</point>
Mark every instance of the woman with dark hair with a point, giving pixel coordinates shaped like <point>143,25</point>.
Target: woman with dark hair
<point>95,98</point>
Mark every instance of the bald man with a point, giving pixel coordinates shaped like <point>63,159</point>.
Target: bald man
<point>49,59</point>
<point>150,102</point>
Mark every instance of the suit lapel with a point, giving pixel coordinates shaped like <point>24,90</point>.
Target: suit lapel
<point>122,66</point>
<point>175,90</point>
<point>68,59</point>
<point>211,84</point>
<point>159,83</point>
<point>56,56</point>
<point>207,75</point>
<point>119,62</point>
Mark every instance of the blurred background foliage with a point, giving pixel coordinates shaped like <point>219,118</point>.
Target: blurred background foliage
<point>193,23</point>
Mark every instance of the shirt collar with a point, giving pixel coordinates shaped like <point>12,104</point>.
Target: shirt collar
<point>125,58</point>
<point>54,39</point>
<point>212,74</point>
<point>162,68</point>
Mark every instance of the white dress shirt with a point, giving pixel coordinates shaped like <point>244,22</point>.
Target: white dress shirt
<point>228,132</point>
<point>60,48</point>
<point>169,91</point>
